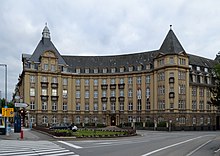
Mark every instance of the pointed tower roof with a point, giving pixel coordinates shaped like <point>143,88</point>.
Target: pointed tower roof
<point>171,44</point>
<point>45,44</point>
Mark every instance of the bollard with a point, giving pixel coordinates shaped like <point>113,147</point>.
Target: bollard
<point>22,134</point>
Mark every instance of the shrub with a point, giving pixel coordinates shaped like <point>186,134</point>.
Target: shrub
<point>162,124</point>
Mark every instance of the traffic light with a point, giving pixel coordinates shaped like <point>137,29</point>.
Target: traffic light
<point>22,112</point>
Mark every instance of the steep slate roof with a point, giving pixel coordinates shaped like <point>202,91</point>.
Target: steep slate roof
<point>111,61</point>
<point>45,44</point>
<point>171,44</point>
<point>201,61</point>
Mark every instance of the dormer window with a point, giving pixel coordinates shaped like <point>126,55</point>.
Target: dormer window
<point>32,66</point>
<point>87,70</point>
<point>78,70</point>
<point>64,69</point>
<point>113,70</point>
<point>130,68</point>
<point>96,70</point>
<point>139,67</point>
<point>148,66</point>
<point>206,70</point>
<point>161,62</point>
<point>122,69</point>
<point>198,68</point>
<point>104,70</point>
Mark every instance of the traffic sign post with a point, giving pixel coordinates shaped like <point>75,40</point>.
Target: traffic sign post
<point>24,105</point>
<point>8,112</point>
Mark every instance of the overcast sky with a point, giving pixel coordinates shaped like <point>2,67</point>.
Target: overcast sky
<point>104,27</point>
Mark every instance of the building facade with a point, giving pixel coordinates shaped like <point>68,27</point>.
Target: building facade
<point>162,85</point>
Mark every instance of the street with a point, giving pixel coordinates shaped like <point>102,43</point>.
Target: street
<point>150,143</point>
<point>146,143</point>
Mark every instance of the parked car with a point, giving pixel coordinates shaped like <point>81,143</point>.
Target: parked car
<point>61,126</point>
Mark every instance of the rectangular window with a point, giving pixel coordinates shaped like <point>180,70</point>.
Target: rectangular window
<point>121,106</point>
<point>95,82</point>
<point>104,81</point>
<point>104,106</point>
<point>121,93</point>
<point>130,80</point>
<point>95,107</point>
<point>148,79</point>
<point>78,107</point>
<point>130,106</point>
<point>32,79</point>
<point>139,105</point>
<point>54,80</point>
<point>54,92</point>
<point>147,92</point>
<point>77,82</point>
<point>104,94</point>
<point>43,79</point>
<point>32,91</point>
<point>45,66</point>
<point>112,81</point>
<point>171,60</point>
<point>194,105</point>
<point>44,91</point>
<point>182,104</point>
<point>86,94</point>
<point>65,81</point>
<point>86,107</point>
<point>95,94</point>
<point>112,93</point>
<point>121,81</point>
<point>44,105</point>
<point>32,105</point>
<point>65,106</point>
<point>130,93</point>
<point>53,68</point>
<point>54,106</point>
<point>77,94</point>
<point>113,106</point>
<point>201,92</point>
<point>64,93</point>
<point>86,82</point>
<point>138,80</point>
<point>148,105</point>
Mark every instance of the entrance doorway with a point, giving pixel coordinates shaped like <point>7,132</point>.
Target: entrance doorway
<point>113,120</point>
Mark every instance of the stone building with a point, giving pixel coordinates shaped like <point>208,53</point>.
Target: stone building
<point>162,85</point>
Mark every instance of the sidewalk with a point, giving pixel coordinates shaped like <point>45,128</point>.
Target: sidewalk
<point>28,134</point>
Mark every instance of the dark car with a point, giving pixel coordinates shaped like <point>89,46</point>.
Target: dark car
<point>61,126</point>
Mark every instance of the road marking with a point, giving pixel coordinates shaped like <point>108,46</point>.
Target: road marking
<point>69,144</point>
<point>198,148</point>
<point>179,143</point>
<point>217,150</point>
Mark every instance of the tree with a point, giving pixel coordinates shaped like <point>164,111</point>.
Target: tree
<point>215,98</point>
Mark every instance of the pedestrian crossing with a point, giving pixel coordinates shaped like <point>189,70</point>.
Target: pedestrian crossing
<point>32,148</point>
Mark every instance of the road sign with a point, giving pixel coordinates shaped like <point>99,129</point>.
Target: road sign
<point>21,105</point>
<point>8,112</point>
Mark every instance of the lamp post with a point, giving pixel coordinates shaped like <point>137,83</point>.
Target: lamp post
<point>5,65</point>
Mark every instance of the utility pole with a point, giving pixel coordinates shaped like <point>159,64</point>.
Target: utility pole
<point>6,104</point>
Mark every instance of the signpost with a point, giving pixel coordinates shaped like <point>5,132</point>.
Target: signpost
<point>8,112</point>
<point>24,105</point>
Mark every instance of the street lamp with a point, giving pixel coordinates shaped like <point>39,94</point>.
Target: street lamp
<point>5,65</point>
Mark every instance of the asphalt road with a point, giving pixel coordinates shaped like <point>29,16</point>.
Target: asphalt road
<point>150,143</point>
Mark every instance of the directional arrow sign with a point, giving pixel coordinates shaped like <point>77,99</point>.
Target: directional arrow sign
<point>21,105</point>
